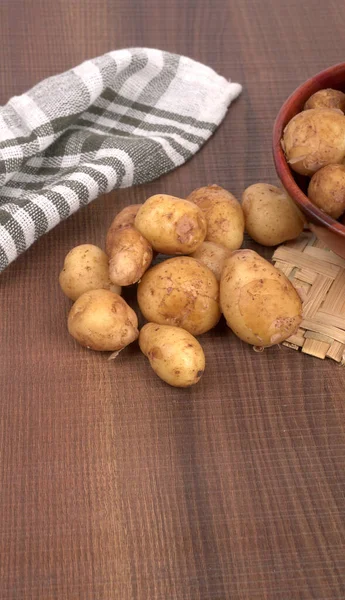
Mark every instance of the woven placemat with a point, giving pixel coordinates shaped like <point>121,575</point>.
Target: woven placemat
<point>319,275</point>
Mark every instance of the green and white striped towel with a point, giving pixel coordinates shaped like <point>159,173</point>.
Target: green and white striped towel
<point>121,119</point>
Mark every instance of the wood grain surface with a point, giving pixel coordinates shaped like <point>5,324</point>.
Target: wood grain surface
<point>112,484</point>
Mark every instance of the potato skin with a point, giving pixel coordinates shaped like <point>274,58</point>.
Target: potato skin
<point>174,354</point>
<point>85,268</point>
<point>326,98</point>
<point>224,215</point>
<point>327,190</point>
<point>313,139</point>
<point>171,225</point>
<point>213,256</point>
<point>271,216</point>
<point>182,292</point>
<point>102,320</point>
<point>259,303</point>
<point>125,218</point>
<point>131,256</point>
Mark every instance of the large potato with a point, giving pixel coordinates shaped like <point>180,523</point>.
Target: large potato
<point>130,257</point>
<point>327,190</point>
<point>313,139</point>
<point>125,218</point>
<point>181,292</point>
<point>102,320</point>
<point>327,98</point>
<point>86,268</point>
<point>271,217</point>
<point>171,225</point>
<point>224,215</point>
<point>213,256</point>
<point>259,303</point>
<point>174,354</point>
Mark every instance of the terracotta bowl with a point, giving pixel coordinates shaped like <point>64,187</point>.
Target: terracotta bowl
<point>331,232</point>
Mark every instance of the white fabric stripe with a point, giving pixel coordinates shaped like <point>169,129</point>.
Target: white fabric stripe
<point>122,58</point>
<point>108,171</point>
<point>213,93</point>
<point>175,156</point>
<point>86,180</point>
<point>49,209</point>
<point>29,111</point>
<point>69,195</point>
<point>27,224</point>
<point>124,158</point>
<point>5,132</point>
<point>10,207</point>
<point>133,86</point>
<point>91,77</point>
<point>143,132</point>
<point>7,244</point>
<point>7,192</point>
<point>120,110</point>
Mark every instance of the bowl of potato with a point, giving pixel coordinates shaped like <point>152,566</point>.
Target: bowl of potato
<point>309,153</point>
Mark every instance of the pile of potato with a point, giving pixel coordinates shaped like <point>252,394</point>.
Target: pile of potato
<point>185,295</point>
<point>314,145</point>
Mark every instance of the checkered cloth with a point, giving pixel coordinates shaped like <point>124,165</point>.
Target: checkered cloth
<point>118,120</point>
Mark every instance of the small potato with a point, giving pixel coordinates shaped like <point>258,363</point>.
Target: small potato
<point>181,292</point>
<point>259,303</point>
<point>171,225</point>
<point>224,215</point>
<point>212,255</point>
<point>313,139</point>
<point>131,256</point>
<point>86,268</point>
<point>327,98</point>
<point>102,320</point>
<point>327,190</point>
<point>271,216</point>
<point>125,218</point>
<point>174,354</point>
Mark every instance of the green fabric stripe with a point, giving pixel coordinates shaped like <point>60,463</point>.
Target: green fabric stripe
<point>58,125</point>
<point>112,96</point>
<point>137,123</point>
<point>155,88</point>
<point>14,229</point>
<point>59,202</point>
<point>79,188</point>
<point>123,134</point>
<point>3,259</point>
<point>42,185</point>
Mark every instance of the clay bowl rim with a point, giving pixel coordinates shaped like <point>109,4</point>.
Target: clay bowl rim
<point>292,105</point>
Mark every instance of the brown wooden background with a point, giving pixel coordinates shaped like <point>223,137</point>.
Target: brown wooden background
<point>112,484</point>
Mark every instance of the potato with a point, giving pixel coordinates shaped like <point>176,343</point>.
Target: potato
<point>174,354</point>
<point>224,215</point>
<point>102,320</point>
<point>130,257</point>
<point>271,217</point>
<point>181,292</point>
<point>327,190</point>
<point>259,303</point>
<point>171,225</point>
<point>129,252</point>
<point>125,218</point>
<point>85,268</point>
<point>327,98</point>
<point>213,256</point>
<point>313,139</point>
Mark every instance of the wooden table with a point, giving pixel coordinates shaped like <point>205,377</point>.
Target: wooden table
<point>114,485</point>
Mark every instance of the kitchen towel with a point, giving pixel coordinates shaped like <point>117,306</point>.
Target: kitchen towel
<point>118,120</point>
